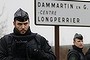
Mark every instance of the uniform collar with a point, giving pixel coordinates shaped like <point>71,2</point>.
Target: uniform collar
<point>77,48</point>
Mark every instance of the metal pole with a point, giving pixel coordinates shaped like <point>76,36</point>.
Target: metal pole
<point>57,42</point>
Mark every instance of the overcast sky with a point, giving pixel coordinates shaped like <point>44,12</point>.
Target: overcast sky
<point>8,7</point>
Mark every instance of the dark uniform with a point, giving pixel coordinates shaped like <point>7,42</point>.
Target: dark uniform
<point>29,46</point>
<point>75,54</point>
<point>13,47</point>
<point>87,55</point>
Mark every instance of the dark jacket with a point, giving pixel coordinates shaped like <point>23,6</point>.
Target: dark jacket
<point>29,47</point>
<point>87,55</point>
<point>75,54</point>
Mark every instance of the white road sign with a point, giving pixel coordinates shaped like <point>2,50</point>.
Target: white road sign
<point>67,13</point>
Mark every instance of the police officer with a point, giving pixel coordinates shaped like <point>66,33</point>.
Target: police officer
<point>76,52</point>
<point>23,44</point>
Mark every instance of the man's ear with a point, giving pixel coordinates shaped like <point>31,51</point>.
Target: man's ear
<point>73,42</point>
<point>14,23</point>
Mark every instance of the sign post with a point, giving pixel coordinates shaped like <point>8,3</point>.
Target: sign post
<point>57,42</point>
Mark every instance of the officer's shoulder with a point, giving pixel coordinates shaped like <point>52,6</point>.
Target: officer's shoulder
<point>73,57</point>
<point>72,52</point>
<point>40,37</point>
<point>6,36</point>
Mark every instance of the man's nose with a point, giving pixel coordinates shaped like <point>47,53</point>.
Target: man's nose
<point>81,42</point>
<point>23,26</point>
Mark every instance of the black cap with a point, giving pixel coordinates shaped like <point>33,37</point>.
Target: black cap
<point>21,15</point>
<point>78,36</point>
